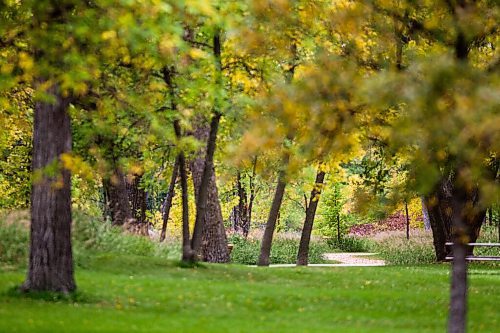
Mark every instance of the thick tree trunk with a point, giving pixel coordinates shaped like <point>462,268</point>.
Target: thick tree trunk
<point>303,254</point>
<point>212,245</point>
<point>118,204</point>
<point>267,239</point>
<point>168,200</point>
<point>51,261</point>
<point>137,197</point>
<point>440,208</point>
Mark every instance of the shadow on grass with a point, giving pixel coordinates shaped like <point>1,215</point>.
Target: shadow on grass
<point>53,297</point>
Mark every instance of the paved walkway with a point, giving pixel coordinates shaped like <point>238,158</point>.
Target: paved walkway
<point>353,259</point>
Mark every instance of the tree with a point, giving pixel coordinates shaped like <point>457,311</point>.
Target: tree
<point>303,254</point>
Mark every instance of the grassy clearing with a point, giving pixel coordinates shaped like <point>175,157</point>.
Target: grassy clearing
<point>123,293</point>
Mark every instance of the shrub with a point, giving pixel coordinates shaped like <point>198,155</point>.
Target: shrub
<point>283,251</point>
<point>395,249</point>
<point>350,244</point>
<point>14,243</point>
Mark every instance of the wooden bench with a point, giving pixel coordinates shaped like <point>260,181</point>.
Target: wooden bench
<point>478,258</point>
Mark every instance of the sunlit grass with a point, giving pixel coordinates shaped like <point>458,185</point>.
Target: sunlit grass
<point>119,293</point>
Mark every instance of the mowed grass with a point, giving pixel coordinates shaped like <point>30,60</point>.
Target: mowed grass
<point>140,294</point>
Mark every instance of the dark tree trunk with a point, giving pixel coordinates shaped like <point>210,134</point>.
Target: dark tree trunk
<point>186,244</point>
<point>303,254</point>
<point>407,221</point>
<point>137,197</point>
<point>251,185</point>
<point>51,261</point>
<point>118,202</point>
<point>267,239</point>
<point>209,237</point>
<point>440,208</point>
<point>168,200</point>
<point>212,242</point>
<point>458,298</point>
<point>241,224</point>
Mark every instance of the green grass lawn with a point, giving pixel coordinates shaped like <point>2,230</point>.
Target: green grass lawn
<point>138,294</point>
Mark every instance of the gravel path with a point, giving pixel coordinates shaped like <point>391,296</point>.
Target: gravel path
<point>354,258</point>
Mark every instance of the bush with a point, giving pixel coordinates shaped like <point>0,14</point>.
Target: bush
<point>14,243</point>
<point>350,244</point>
<point>395,249</point>
<point>283,251</point>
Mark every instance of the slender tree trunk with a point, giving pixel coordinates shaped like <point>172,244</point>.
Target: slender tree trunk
<point>425,215</point>
<point>251,185</point>
<point>303,254</point>
<point>51,261</point>
<point>168,200</point>
<point>241,223</point>
<point>407,221</point>
<point>458,297</point>
<point>267,239</point>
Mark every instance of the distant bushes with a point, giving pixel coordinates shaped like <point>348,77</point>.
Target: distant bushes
<point>90,234</point>
<point>14,240</point>
<point>283,251</point>
<point>395,249</point>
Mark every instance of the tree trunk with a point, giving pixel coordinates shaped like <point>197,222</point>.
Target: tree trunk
<point>303,254</point>
<point>440,208</point>
<point>407,221</point>
<point>168,200</point>
<point>209,240</point>
<point>186,244</point>
<point>138,203</point>
<point>425,215</point>
<point>267,239</point>
<point>458,296</point>
<point>116,192</point>
<point>51,261</point>
<point>209,237</point>
<point>251,185</point>
<point>241,223</point>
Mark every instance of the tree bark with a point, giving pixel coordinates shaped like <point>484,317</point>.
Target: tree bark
<point>241,224</point>
<point>425,215</point>
<point>407,221</point>
<point>209,237</point>
<point>137,197</point>
<point>267,239</point>
<point>251,185</point>
<point>168,200</point>
<point>458,297</point>
<point>303,254</point>
<point>51,260</point>
<point>118,201</point>
<point>210,243</point>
